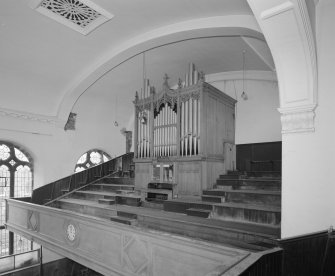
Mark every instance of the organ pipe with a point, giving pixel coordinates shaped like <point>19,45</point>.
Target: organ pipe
<point>186,128</point>
<point>169,131</point>
<point>182,127</point>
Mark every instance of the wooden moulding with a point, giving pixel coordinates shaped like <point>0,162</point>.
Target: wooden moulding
<point>115,249</point>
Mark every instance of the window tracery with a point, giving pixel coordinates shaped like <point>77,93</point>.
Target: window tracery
<point>91,158</point>
<point>16,180</point>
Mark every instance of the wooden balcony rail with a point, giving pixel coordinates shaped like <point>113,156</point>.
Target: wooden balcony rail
<point>111,248</point>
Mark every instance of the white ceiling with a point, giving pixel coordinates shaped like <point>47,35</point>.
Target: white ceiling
<point>40,59</point>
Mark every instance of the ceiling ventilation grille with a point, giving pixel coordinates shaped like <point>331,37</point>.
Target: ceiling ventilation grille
<point>83,16</point>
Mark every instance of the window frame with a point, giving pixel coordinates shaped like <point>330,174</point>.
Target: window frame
<point>12,168</point>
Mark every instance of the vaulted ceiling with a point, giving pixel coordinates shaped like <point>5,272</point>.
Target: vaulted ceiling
<point>45,65</point>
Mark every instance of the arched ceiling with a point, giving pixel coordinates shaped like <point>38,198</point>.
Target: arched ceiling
<point>45,66</point>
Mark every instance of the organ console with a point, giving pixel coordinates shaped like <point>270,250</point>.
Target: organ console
<point>185,135</point>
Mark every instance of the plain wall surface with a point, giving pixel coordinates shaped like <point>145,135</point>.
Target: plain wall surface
<point>257,118</point>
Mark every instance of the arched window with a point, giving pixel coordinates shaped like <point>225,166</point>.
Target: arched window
<point>16,180</point>
<point>91,158</point>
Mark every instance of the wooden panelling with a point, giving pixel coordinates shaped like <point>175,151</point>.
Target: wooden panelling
<point>189,178</point>
<point>268,265</point>
<point>306,255</point>
<point>259,156</point>
<point>57,188</point>
<point>143,173</point>
<point>114,249</point>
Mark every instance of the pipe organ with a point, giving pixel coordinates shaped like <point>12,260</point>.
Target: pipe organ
<point>181,134</point>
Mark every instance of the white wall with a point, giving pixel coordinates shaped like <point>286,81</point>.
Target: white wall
<point>257,118</point>
<point>56,151</point>
<point>308,158</point>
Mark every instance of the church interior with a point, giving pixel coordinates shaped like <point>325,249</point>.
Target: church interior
<point>167,137</point>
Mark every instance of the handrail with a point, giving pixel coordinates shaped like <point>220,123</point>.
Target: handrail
<point>264,165</point>
<point>55,189</point>
<point>11,264</point>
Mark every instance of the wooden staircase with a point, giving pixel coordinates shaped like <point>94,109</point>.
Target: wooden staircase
<point>240,211</point>
<point>252,201</point>
<point>240,214</point>
<point>94,199</point>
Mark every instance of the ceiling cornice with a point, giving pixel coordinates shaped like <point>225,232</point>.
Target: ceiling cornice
<point>50,120</point>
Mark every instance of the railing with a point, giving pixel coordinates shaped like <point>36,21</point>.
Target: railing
<point>56,189</point>
<point>22,261</point>
<point>311,254</point>
<point>264,165</point>
<point>112,248</point>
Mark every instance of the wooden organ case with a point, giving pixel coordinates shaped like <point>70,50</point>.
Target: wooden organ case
<point>184,136</point>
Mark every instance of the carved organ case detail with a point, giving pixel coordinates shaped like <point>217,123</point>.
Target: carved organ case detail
<point>187,128</point>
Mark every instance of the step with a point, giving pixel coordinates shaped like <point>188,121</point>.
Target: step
<point>264,173</point>
<point>151,192</point>
<point>213,198</point>
<point>111,187</point>
<point>126,215</point>
<point>250,183</point>
<point>106,201</point>
<point>196,212</point>
<point>229,172</point>
<point>161,185</point>
<point>86,207</point>
<point>233,233</point>
<point>245,212</point>
<point>126,198</point>
<point>205,230</point>
<point>88,195</point>
<point>267,230</point>
<point>180,206</point>
<point>153,204</point>
<point>117,180</point>
<point>229,176</point>
<point>123,220</point>
<point>256,196</point>
<point>93,194</point>
<point>223,191</point>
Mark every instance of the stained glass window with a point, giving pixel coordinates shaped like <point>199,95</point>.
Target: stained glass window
<point>16,180</point>
<point>4,152</point>
<point>91,158</point>
<point>20,155</point>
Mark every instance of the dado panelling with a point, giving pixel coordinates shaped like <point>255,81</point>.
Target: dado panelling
<point>114,249</point>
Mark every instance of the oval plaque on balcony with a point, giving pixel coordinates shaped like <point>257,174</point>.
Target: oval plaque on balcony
<point>71,233</point>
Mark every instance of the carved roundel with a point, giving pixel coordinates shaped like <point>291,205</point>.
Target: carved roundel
<point>72,233</point>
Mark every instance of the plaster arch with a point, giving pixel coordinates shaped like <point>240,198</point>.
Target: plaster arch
<point>232,25</point>
<point>287,29</point>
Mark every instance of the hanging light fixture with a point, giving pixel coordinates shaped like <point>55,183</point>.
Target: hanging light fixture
<point>116,124</point>
<point>244,95</point>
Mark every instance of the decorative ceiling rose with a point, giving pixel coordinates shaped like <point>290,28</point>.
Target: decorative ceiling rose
<point>72,10</point>
<point>83,16</point>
